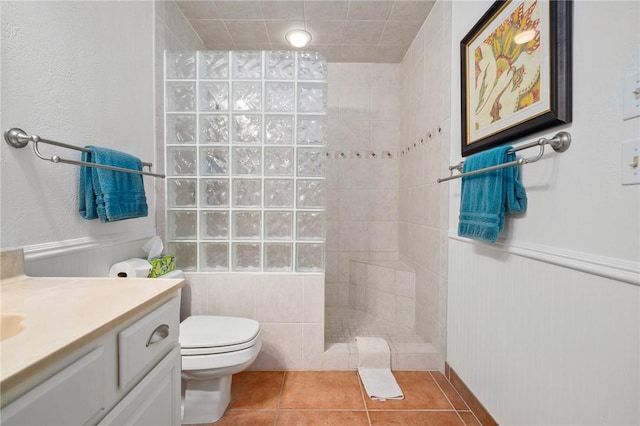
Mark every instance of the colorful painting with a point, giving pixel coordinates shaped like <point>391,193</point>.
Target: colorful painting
<point>512,64</point>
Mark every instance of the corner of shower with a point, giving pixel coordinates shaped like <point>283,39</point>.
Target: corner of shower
<point>381,302</point>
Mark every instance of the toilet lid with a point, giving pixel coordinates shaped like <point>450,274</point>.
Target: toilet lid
<point>214,331</point>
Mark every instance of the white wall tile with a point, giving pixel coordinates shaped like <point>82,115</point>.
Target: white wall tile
<point>331,265</point>
<point>312,339</point>
<point>359,236</point>
<point>385,174</point>
<point>384,135</point>
<point>353,133</point>
<point>279,298</point>
<point>405,314</point>
<point>352,205</point>
<point>385,104</point>
<point>354,103</point>
<point>354,174</point>
<point>333,201</point>
<point>381,278</point>
<point>383,236</point>
<point>385,75</point>
<point>432,205</point>
<point>198,292</point>
<point>360,296</point>
<point>355,75</point>
<point>331,294</point>
<point>281,347</point>
<point>232,295</point>
<point>371,297</point>
<point>336,357</point>
<point>386,307</point>
<point>358,273</point>
<point>314,299</point>
<point>343,295</point>
<point>405,283</point>
<point>373,230</point>
<point>383,205</point>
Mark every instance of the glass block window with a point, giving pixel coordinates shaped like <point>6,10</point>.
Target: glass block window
<point>245,143</point>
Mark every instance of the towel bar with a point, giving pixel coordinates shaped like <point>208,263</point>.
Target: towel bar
<point>18,138</point>
<point>560,143</point>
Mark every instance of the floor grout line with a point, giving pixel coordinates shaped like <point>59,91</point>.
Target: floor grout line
<point>275,420</point>
<point>442,390</point>
<point>364,401</point>
<point>459,396</point>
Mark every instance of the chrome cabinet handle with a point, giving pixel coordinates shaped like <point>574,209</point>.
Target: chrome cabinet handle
<point>160,333</point>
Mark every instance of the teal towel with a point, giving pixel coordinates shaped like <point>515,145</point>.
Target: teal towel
<point>88,208</point>
<point>487,197</point>
<point>108,194</point>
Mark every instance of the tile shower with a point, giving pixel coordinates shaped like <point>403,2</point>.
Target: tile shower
<point>249,142</point>
<point>245,144</point>
<point>370,291</point>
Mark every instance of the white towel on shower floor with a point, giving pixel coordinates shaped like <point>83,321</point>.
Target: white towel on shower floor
<point>374,368</point>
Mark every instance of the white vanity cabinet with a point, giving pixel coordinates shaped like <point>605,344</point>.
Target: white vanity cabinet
<point>128,376</point>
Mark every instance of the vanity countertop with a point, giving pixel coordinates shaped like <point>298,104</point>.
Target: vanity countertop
<point>62,314</point>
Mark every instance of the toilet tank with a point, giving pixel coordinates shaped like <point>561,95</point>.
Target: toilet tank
<point>176,273</point>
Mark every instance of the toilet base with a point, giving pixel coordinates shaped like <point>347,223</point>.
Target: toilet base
<point>205,401</point>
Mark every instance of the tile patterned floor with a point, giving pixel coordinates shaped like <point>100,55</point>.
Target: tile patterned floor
<point>337,398</point>
<point>342,325</point>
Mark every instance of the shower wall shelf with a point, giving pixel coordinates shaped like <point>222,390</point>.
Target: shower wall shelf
<point>560,143</point>
<point>18,138</point>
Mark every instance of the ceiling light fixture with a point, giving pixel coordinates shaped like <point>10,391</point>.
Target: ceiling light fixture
<point>298,38</point>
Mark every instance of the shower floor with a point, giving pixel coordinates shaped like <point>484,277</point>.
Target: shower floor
<point>408,350</point>
<point>343,325</point>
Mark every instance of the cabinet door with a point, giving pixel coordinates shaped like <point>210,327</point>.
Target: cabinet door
<point>72,396</point>
<point>155,400</point>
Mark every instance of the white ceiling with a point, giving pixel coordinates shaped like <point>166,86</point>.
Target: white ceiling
<point>342,30</point>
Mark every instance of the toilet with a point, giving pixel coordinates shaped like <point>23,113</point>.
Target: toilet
<point>213,348</point>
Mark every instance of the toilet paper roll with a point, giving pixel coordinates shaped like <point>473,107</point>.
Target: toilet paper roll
<point>132,268</point>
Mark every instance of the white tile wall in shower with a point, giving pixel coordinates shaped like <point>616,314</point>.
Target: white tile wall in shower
<point>245,157</point>
<point>362,192</point>
<point>383,289</point>
<point>423,204</point>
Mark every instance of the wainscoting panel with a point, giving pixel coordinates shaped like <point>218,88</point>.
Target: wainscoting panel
<point>539,343</point>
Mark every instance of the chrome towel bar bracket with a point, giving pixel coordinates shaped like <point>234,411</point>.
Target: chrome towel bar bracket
<point>560,143</point>
<point>18,138</point>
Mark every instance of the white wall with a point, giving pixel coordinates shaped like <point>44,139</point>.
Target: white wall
<point>80,73</point>
<point>544,328</point>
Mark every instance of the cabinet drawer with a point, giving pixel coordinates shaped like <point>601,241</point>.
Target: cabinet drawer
<point>144,343</point>
<point>72,396</point>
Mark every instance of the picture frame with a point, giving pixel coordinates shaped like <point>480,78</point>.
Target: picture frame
<point>516,72</point>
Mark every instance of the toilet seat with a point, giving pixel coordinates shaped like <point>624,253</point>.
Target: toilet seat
<point>207,335</point>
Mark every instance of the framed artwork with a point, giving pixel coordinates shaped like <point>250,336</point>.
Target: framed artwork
<point>516,72</point>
